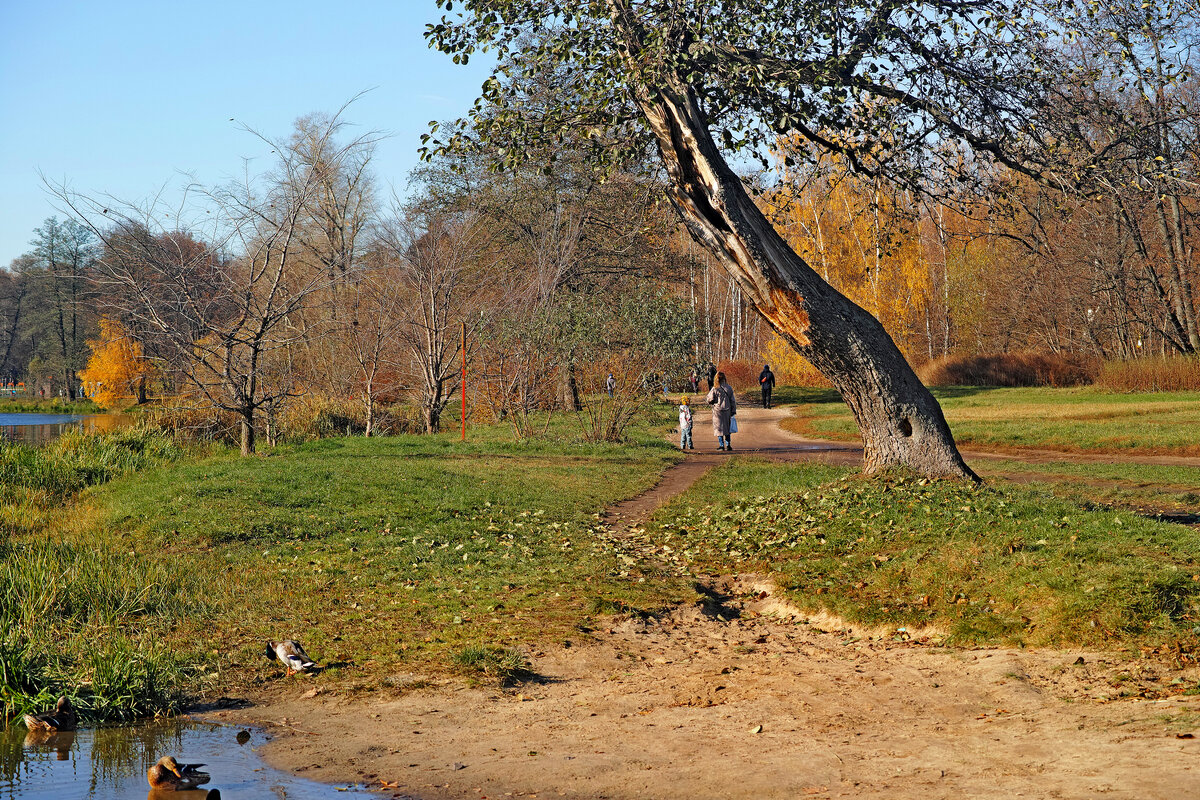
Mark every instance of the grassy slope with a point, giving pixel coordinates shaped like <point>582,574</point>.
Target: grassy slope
<point>381,555</point>
<point>1081,419</point>
<point>985,564</point>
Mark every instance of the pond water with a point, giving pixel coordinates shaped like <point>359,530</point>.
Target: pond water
<point>111,764</point>
<point>41,428</point>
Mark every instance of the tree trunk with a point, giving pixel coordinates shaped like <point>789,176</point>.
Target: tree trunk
<point>370,397</point>
<point>568,388</point>
<point>247,425</point>
<point>900,421</point>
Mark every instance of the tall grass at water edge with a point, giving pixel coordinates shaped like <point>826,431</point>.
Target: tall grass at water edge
<point>54,405</point>
<point>76,619</point>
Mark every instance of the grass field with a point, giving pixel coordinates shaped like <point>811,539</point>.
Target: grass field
<point>382,555</point>
<point>1005,564</point>
<point>1072,420</point>
<point>1150,489</point>
<point>136,573</point>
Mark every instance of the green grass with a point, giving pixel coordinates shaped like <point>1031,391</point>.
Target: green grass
<point>984,564</point>
<point>1076,419</point>
<point>35,481</point>
<point>499,664</point>
<point>134,573</point>
<point>381,555</point>
<point>76,618</point>
<point>56,405</point>
<point>1147,488</point>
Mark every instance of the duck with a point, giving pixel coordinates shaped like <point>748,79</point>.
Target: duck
<point>292,654</point>
<point>62,718</point>
<point>170,774</point>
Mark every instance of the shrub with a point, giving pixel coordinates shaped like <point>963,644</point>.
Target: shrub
<point>310,416</point>
<point>1010,369</point>
<point>1160,374</point>
<point>741,375</point>
<point>187,420</point>
<point>318,416</point>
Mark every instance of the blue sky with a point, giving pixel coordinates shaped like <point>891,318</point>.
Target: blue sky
<point>123,97</point>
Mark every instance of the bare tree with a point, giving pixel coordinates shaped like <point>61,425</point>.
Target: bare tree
<point>436,260</point>
<point>220,304</point>
<point>371,334</point>
<point>14,289</point>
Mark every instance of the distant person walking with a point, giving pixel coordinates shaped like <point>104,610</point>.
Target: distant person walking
<point>685,425</point>
<point>766,380</point>
<point>610,384</point>
<point>712,374</point>
<point>724,404</point>
<point>694,380</point>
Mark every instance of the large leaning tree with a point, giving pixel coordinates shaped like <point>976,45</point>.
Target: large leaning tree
<point>713,85</point>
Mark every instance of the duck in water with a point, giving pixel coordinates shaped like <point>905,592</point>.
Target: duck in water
<point>170,774</point>
<point>62,718</point>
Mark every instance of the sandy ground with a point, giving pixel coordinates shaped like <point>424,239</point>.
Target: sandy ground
<point>742,696</point>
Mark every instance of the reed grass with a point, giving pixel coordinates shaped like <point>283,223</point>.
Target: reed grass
<point>1161,374</point>
<point>1010,369</point>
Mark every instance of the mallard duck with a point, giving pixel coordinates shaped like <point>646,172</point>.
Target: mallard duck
<point>62,718</point>
<point>170,774</point>
<point>292,654</point>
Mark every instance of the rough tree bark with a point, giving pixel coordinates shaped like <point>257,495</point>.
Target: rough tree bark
<point>902,424</point>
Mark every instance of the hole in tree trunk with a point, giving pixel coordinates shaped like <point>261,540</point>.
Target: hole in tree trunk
<point>905,427</point>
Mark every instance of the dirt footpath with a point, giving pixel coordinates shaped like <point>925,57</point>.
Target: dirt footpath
<point>741,696</point>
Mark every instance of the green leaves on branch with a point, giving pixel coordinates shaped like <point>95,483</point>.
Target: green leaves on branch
<point>764,69</point>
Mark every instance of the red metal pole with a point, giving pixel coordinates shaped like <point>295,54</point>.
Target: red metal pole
<point>464,380</point>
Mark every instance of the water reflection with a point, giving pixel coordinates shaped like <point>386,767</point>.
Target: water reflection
<point>38,429</point>
<point>111,763</point>
<point>58,741</point>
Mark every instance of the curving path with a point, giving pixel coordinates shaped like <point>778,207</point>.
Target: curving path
<point>762,436</point>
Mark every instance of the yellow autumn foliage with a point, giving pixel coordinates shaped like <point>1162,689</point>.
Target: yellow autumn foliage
<point>864,239</point>
<point>117,366</point>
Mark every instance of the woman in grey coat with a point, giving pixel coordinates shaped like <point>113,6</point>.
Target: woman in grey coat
<point>721,398</point>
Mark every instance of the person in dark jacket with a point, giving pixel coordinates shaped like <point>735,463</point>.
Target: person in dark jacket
<point>766,381</point>
<point>712,374</point>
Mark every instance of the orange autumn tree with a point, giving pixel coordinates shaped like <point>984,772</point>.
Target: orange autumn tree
<point>117,367</point>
